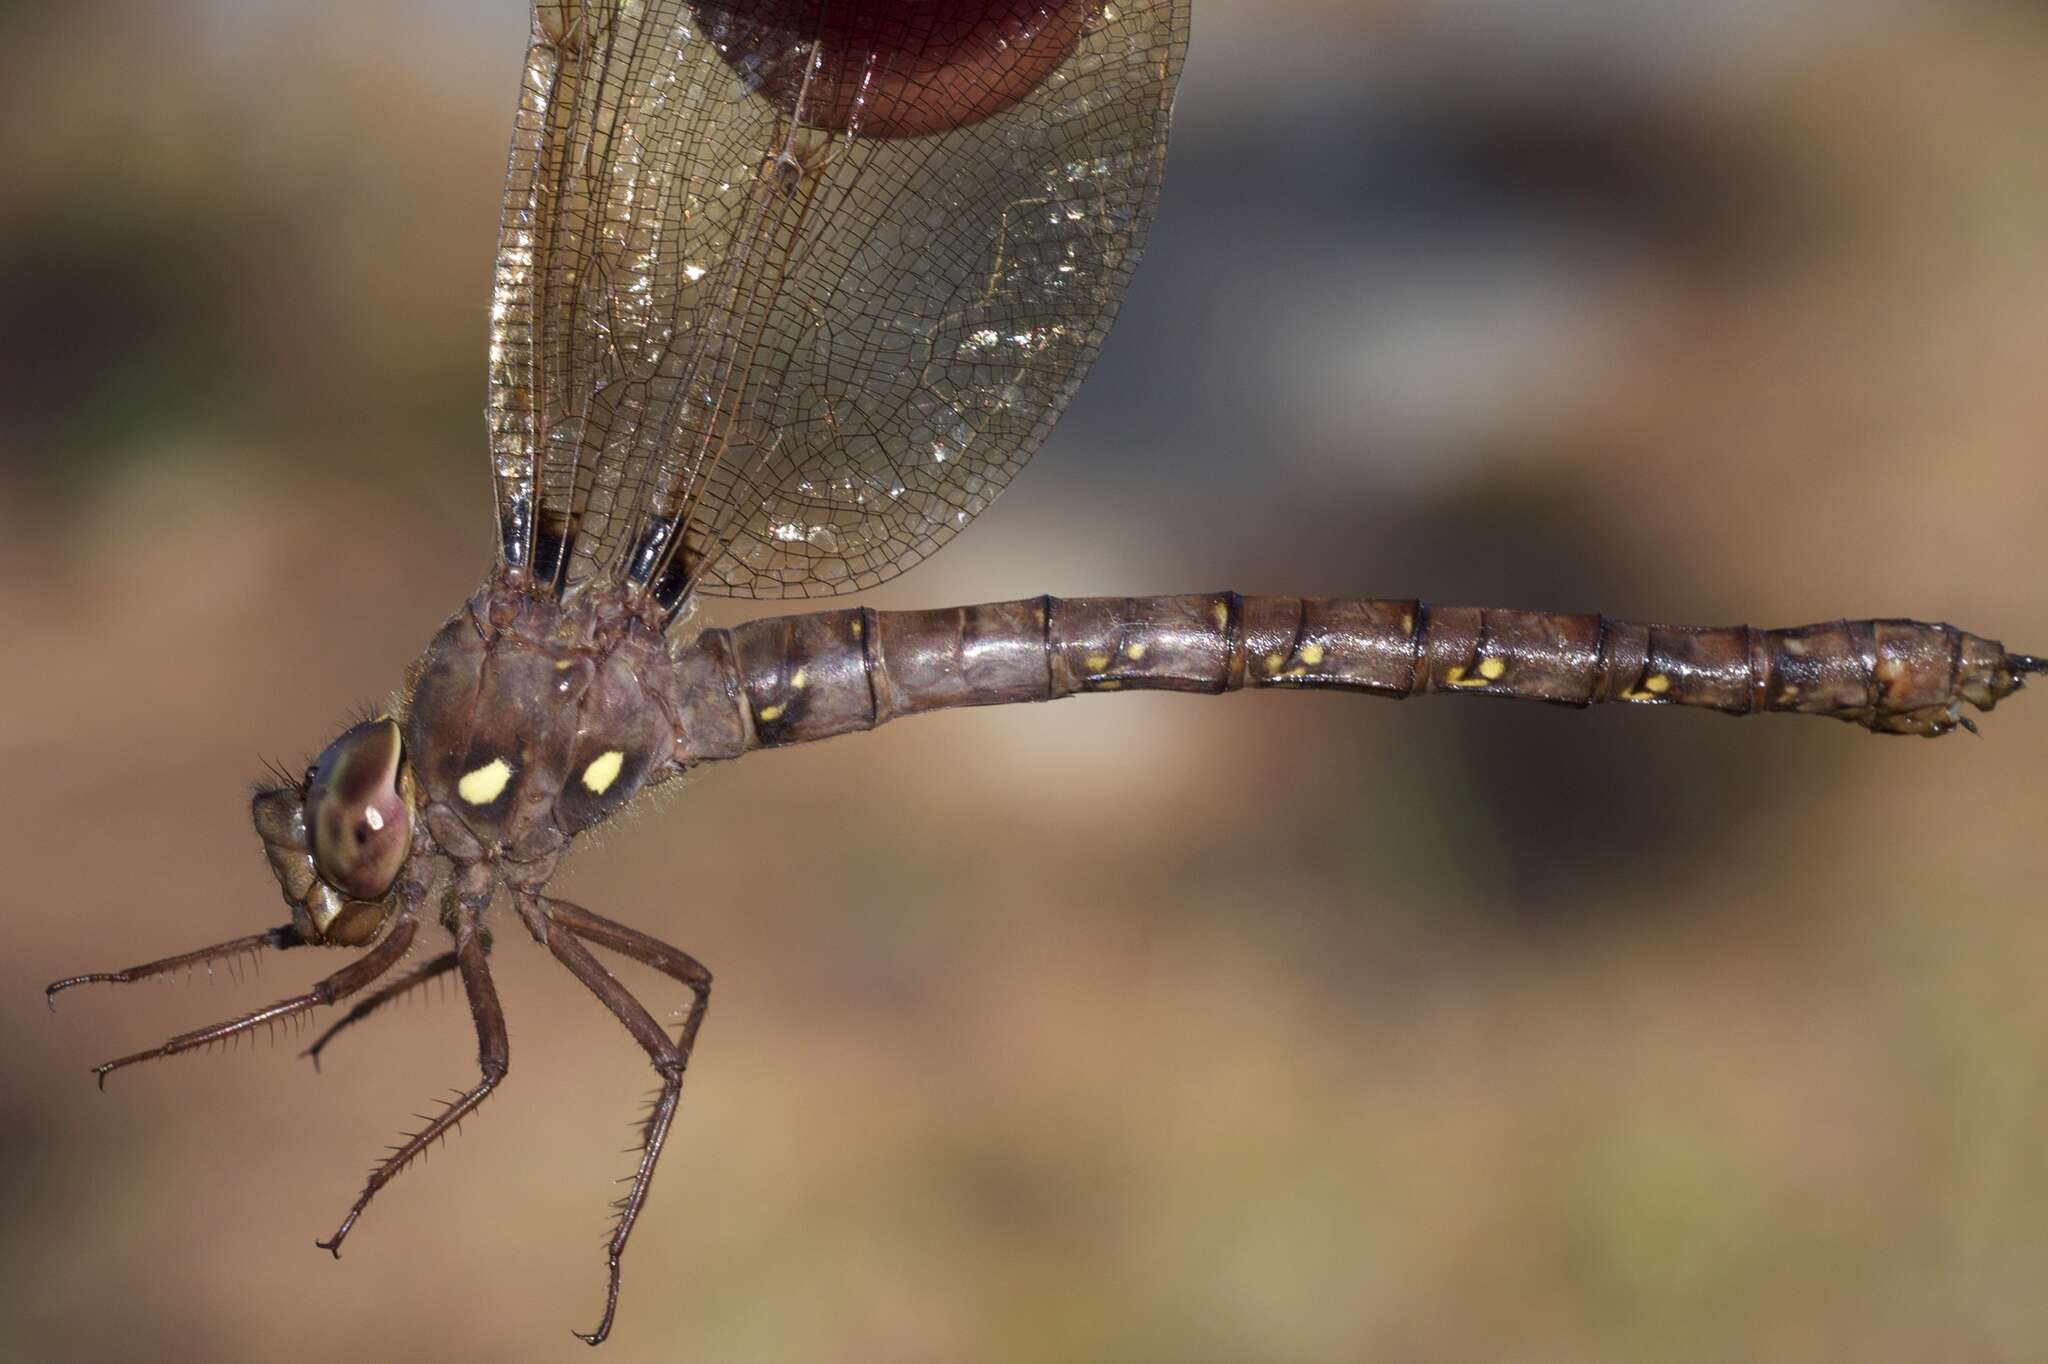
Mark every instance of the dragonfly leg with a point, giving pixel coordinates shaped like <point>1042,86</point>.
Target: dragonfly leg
<point>341,984</point>
<point>672,962</point>
<point>494,1057</point>
<point>560,926</point>
<point>428,970</point>
<point>281,937</point>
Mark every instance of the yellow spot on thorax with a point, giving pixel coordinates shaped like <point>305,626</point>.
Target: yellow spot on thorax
<point>603,771</point>
<point>563,665</point>
<point>769,714</point>
<point>1108,684</point>
<point>486,784</point>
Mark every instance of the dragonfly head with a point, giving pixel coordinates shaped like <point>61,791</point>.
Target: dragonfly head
<point>338,839</point>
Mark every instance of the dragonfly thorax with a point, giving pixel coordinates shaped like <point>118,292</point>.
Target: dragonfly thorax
<point>533,719</point>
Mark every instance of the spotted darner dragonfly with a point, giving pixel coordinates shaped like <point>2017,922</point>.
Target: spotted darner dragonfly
<point>786,294</point>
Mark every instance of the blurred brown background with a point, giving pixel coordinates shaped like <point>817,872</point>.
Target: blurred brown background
<point>1150,1028</point>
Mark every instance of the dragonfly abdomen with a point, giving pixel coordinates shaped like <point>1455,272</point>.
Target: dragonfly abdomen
<point>792,679</point>
<point>1891,676</point>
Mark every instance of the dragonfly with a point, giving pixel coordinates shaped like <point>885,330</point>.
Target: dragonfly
<point>786,293</point>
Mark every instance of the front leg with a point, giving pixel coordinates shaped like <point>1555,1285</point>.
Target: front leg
<point>279,938</point>
<point>340,985</point>
<point>559,925</point>
<point>410,893</point>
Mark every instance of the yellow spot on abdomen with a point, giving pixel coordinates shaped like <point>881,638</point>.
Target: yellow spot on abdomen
<point>1455,677</point>
<point>769,714</point>
<point>486,784</point>
<point>1134,652</point>
<point>1312,654</point>
<point>1097,662</point>
<point>1493,669</point>
<point>1654,686</point>
<point>603,771</point>
<point>1221,610</point>
<point>802,679</point>
<point>1108,684</point>
<point>1273,662</point>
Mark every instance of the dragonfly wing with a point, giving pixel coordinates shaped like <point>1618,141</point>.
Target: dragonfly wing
<point>818,344</point>
<point>950,294</point>
<point>614,209</point>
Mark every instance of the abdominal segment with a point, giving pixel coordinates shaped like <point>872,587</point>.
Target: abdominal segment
<point>790,679</point>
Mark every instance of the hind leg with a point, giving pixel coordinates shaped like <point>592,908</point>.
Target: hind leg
<point>561,927</point>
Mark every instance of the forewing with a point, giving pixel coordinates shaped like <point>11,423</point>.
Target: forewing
<point>630,153</point>
<point>924,319</point>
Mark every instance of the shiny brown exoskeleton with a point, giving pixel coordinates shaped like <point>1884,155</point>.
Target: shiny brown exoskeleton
<point>786,292</point>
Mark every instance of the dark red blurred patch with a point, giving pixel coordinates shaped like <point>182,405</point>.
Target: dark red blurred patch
<point>898,69</point>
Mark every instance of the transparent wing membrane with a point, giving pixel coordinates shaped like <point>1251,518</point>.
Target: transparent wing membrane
<point>787,291</point>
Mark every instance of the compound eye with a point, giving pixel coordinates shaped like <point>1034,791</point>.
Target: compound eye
<point>356,817</point>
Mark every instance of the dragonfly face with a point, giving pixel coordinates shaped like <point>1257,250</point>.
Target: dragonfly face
<point>338,839</point>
